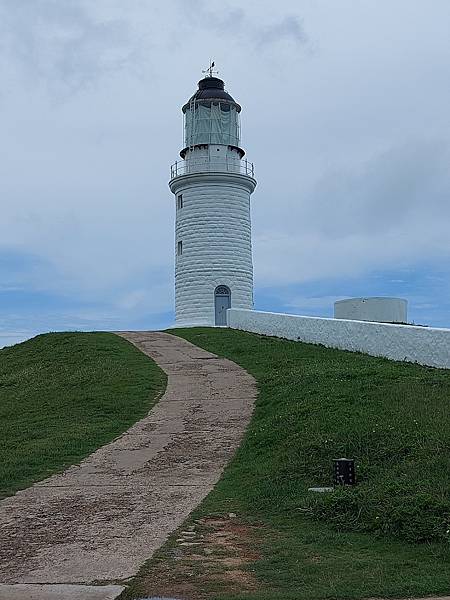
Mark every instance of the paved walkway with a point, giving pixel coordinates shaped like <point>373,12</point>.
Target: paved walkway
<point>99,521</point>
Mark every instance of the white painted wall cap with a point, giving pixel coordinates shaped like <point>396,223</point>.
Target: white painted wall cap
<point>368,323</point>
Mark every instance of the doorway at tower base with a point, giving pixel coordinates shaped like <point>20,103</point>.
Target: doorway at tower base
<point>202,296</point>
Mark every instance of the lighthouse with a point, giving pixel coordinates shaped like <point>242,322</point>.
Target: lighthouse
<point>212,185</point>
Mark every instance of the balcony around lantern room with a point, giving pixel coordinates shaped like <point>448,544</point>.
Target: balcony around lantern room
<point>211,158</point>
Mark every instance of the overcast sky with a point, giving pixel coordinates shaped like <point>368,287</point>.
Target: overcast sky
<point>345,115</point>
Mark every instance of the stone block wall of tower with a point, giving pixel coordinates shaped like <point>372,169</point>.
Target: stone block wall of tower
<point>214,227</point>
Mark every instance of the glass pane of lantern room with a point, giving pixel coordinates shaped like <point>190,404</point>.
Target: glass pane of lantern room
<point>211,123</point>
<point>197,124</point>
<point>216,124</point>
<point>234,127</point>
<point>202,125</point>
<point>188,124</point>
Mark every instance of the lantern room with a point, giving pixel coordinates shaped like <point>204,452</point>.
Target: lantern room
<point>211,116</point>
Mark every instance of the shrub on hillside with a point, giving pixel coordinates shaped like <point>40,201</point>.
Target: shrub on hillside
<point>406,514</point>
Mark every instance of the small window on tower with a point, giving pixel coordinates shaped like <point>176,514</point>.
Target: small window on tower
<point>180,248</point>
<point>180,201</point>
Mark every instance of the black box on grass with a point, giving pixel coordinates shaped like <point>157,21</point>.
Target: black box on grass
<point>344,471</point>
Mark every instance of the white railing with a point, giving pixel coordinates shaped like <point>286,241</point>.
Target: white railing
<point>231,165</point>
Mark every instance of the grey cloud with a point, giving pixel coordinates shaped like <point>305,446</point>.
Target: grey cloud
<point>229,20</point>
<point>392,210</point>
<point>289,28</point>
<point>407,182</point>
<point>62,44</point>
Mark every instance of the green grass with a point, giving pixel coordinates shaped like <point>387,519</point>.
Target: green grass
<point>62,395</point>
<point>388,536</point>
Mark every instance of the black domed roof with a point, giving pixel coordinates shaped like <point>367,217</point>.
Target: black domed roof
<point>212,88</point>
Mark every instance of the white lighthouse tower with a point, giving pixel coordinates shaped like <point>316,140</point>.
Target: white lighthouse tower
<point>212,185</point>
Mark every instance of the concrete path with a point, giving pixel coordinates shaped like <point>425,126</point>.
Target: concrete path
<point>99,521</point>
<point>30,591</point>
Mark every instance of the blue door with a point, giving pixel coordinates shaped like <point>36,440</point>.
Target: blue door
<point>222,299</point>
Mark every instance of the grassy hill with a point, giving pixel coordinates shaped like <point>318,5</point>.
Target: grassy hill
<point>62,395</point>
<point>386,537</point>
<point>260,535</point>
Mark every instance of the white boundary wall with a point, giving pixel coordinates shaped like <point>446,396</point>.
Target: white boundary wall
<point>424,345</point>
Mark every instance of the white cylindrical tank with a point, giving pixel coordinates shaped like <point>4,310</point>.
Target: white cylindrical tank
<point>212,187</point>
<point>378,309</point>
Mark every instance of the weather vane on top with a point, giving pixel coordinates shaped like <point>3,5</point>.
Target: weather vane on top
<point>210,70</point>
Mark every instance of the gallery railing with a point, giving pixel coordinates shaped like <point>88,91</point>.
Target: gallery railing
<point>202,165</point>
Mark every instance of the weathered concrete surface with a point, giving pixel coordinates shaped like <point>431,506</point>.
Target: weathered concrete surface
<point>100,520</point>
<point>59,592</point>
